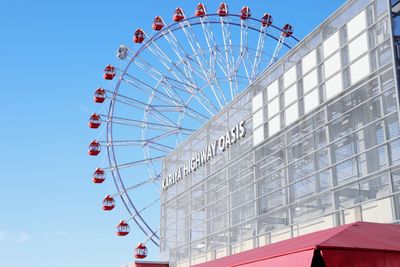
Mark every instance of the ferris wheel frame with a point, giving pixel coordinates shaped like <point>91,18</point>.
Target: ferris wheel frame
<point>184,25</point>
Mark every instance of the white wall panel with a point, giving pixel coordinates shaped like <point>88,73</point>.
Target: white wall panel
<point>309,61</point>
<point>360,69</point>
<point>356,25</point>
<point>332,65</point>
<point>331,44</point>
<point>290,76</point>
<point>334,86</point>
<point>273,107</point>
<point>310,81</point>
<point>272,90</point>
<point>358,46</point>
<point>291,95</point>
<point>257,102</point>
<point>311,101</point>
<point>292,113</point>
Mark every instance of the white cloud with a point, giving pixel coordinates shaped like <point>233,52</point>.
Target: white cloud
<point>14,237</point>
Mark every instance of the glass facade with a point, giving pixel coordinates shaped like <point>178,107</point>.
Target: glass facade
<point>322,146</point>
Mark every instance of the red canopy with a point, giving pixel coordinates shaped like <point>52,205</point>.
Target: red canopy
<point>358,244</point>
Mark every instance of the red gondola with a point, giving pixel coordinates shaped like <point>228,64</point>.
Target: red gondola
<point>94,148</point>
<point>123,228</point>
<point>94,121</point>
<point>138,37</point>
<point>200,10</point>
<point>109,72</point>
<point>287,30</point>
<point>140,251</point>
<point>108,203</point>
<point>178,15</point>
<point>266,20</point>
<point>98,176</point>
<point>99,95</point>
<point>158,24</point>
<point>222,10</point>
<point>245,13</point>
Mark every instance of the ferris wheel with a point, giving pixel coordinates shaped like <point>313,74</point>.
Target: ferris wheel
<point>167,85</point>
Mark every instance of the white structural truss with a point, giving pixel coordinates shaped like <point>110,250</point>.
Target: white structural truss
<point>168,86</point>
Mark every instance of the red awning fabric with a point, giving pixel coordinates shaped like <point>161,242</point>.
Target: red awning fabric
<point>360,258</point>
<point>302,258</point>
<point>149,264</point>
<point>359,238</point>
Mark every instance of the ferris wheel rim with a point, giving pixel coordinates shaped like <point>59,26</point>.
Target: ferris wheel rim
<point>117,177</point>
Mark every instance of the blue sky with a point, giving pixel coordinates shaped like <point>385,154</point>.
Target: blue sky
<point>52,55</point>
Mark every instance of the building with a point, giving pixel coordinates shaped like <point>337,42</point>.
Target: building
<point>312,144</point>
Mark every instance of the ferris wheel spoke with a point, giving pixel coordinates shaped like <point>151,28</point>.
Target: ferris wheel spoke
<point>259,52</point>
<point>161,136</point>
<point>188,111</point>
<point>140,184</point>
<point>150,125</point>
<point>229,56</point>
<point>144,208</point>
<point>161,117</point>
<point>215,53</point>
<point>160,147</point>
<point>156,74</point>
<point>189,88</point>
<point>140,143</point>
<point>198,94</point>
<point>181,54</point>
<point>277,50</point>
<point>149,89</point>
<point>134,163</point>
<point>202,61</point>
<point>167,62</point>
<point>143,106</point>
<point>244,47</point>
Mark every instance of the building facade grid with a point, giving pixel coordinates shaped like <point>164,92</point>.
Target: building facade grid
<point>317,153</point>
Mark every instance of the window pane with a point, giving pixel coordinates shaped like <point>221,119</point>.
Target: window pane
<point>303,188</point>
<point>322,158</point>
<point>389,101</point>
<point>395,151</point>
<point>343,149</point>
<point>369,136</point>
<point>271,182</point>
<point>346,171</point>
<point>301,148</point>
<point>302,168</point>
<point>392,126</point>
<point>258,135</point>
<point>372,161</point>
